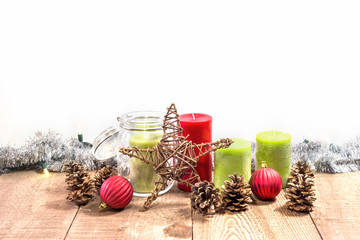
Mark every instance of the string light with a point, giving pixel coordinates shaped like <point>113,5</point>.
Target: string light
<point>45,170</point>
<point>80,135</point>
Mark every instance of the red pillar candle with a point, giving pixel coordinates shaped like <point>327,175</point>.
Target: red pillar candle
<point>198,128</point>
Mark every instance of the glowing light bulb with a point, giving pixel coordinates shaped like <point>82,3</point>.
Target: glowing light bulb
<point>46,172</point>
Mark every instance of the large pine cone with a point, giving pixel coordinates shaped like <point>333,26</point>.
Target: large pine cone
<point>80,184</point>
<point>236,194</point>
<point>301,190</point>
<point>205,198</point>
<point>103,174</point>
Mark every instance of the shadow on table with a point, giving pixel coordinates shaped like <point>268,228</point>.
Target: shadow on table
<point>166,206</point>
<point>92,208</point>
<point>256,201</point>
<point>289,213</point>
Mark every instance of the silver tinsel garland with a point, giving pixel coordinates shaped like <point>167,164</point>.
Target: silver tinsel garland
<point>327,157</point>
<point>49,149</point>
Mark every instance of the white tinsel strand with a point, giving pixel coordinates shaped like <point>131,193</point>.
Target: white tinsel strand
<point>329,158</point>
<point>50,149</point>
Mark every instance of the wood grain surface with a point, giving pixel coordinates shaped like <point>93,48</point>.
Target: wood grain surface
<point>263,220</point>
<point>34,206</point>
<point>168,218</point>
<point>337,208</point>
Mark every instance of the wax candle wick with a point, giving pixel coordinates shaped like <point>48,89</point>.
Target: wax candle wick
<point>274,133</point>
<point>193,115</point>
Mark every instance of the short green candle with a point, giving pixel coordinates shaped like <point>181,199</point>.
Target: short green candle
<point>142,175</point>
<point>236,158</point>
<point>274,148</point>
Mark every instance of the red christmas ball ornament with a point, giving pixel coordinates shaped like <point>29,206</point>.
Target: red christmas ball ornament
<point>116,192</point>
<point>265,183</point>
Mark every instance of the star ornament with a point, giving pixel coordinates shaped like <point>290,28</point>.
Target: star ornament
<point>173,156</point>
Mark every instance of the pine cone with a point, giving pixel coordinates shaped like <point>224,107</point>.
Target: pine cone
<point>103,174</point>
<point>301,190</point>
<point>236,194</point>
<point>205,198</point>
<point>80,184</point>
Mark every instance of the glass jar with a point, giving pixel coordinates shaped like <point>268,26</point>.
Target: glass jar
<point>143,130</point>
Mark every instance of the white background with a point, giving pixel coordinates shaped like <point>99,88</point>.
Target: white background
<point>254,65</point>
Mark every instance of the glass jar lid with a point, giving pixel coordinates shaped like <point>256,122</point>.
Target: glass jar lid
<point>105,145</point>
<point>142,121</point>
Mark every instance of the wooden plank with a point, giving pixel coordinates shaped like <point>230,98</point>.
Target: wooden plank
<point>337,208</point>
<point>168,218</point>
<point>263,220</point>
<point>34,206</point>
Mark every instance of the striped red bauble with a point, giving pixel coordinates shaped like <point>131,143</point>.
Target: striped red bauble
<point>265,183</point>
<point>116,192</point>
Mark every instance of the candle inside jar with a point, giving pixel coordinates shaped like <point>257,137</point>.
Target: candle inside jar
<point>142,175</point>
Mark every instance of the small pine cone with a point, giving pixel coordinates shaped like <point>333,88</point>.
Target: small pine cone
<point>236,194</point>
<point>103,174</point>
<point>205,198</point>
<point>302,167</point>
<point>80,184</point>
<point>301,190</point>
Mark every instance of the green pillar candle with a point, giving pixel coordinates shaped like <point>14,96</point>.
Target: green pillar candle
<point>142,175</point>
<point>236,158</point>
<point>274,148</point>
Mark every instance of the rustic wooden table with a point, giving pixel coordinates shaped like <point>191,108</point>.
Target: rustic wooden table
<point>33,206</point>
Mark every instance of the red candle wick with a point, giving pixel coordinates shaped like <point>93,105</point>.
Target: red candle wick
<point>193,116</point>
